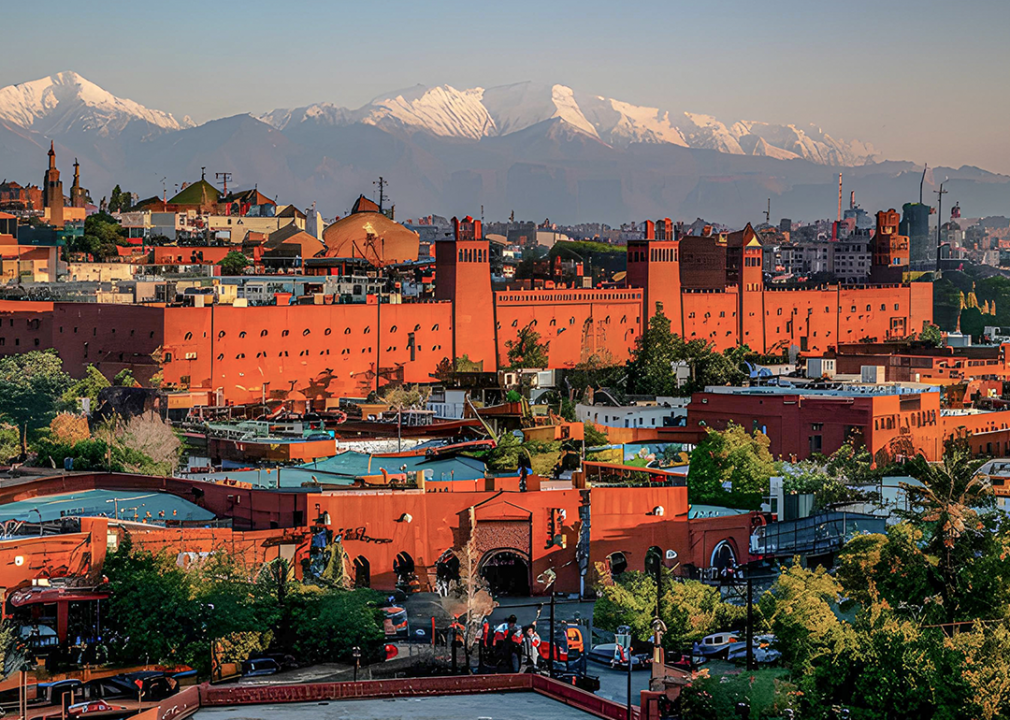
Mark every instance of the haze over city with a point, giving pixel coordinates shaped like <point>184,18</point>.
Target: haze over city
<point>921,81</point>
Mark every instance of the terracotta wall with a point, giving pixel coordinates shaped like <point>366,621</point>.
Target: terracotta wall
<point>577,323</point>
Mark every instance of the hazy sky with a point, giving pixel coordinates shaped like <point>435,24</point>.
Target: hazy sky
<point>922,80</point>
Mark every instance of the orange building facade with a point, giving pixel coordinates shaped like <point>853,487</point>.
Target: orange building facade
<point>240,354</point>
<point>575,532</point>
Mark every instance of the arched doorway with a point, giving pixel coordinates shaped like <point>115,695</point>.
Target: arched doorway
<point>446,572</point>
<point>362,572</point>
<point>618,563</point>
<point>507,573</point>
<point>406,578</point>
<point>724,559</point>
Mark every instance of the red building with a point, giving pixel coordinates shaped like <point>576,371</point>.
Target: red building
<point>388,534</point>
<point>331,350</point>
<point>800,422</point>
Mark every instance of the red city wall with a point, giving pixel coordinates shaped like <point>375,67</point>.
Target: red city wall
<point>322,351</point>
<point>577,323</point>
<point>710,316</point>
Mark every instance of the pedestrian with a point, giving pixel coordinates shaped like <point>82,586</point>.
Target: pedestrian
<point>530,653</point>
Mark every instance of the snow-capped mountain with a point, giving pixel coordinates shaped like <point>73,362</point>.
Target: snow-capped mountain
<point>477,113</point>
<point>67,102</point>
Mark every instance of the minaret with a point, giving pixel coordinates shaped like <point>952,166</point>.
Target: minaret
<point>52,190</point>
<point>78,195</point>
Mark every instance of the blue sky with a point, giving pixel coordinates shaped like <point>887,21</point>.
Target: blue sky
<point>924,81</point>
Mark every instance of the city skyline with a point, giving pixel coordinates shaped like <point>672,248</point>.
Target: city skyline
<point>885,80</point>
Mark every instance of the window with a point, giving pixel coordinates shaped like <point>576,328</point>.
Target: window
<point>285,333</point>
<point>263,333</point>
<point>242,334</point>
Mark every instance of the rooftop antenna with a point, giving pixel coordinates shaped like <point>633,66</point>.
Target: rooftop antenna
<point>381,182</point>
<point>924,169</point>
<point>939,220</point>
<point>225,176</point>
<point>164,190</point>
<point>839,197</point>
<point>203,172</point>
<point>768,213</point>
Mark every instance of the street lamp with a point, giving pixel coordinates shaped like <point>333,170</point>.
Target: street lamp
<point>356,654</point>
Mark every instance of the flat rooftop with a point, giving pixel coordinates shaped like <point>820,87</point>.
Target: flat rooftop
<point>155,507</point>
<point>493,706</point>
<point>837,391</point>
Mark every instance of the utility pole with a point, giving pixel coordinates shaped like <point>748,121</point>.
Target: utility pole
<point>381,182</point>
<point>225,176</point>
<point>939,221</point>
<point>750,622</point>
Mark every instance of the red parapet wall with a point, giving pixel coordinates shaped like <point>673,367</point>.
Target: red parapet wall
<point>413,687</point>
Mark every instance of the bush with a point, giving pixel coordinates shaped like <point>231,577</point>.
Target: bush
<point>327,625</point>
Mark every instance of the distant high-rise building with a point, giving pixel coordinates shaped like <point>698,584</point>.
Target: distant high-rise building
<point>890,249</point>
<point>915,226</point>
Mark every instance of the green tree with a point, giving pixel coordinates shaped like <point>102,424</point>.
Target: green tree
<point>526,351</point>
<point>101,236</point>
<point>10,443</point>
<point>124,378</point>
<point>947,504</point>
<point>947,304</point>
<point>234,263</point>
<point>931,335</point>
<point>327,625</point>
<point>731,456</point>
<point>650,368</point>
<point>151,615</point>
<point>119,200</point>
<point>31,388</point>
<point>689,608</point>
<point>799,610</point>
<point>88,386</point>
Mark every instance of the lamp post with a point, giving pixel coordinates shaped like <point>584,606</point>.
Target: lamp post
<point>356,654</point>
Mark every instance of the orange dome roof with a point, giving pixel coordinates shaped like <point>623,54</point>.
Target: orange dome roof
<point>372,236</point>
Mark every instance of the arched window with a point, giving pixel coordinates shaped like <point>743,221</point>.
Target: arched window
<point>362,572</point>
<point>618,563</point>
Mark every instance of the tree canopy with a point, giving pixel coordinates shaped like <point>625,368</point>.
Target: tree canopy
<point>527,351</point>
<point>32,386</point>
<point>730,468</point>
<point>234,263</point>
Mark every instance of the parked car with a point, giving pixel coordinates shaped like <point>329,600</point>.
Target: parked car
<point>606,654</point>
<point>51,693</point>
<point>764,650</point>
<point>98,708</point>
<point>260,666</point>
<point>152,684</point>
<point>716,645</point>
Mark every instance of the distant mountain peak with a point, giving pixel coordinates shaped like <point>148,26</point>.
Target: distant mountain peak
<point>67,102</point>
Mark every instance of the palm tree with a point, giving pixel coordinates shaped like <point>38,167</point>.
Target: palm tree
<point>947,504</point>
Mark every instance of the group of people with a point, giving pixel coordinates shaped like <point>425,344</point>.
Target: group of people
<point>512,648</point>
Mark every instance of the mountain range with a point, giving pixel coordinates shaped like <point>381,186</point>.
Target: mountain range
<point>538,150</point>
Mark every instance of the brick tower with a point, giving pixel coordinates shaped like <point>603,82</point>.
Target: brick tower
<point>52,190</point>
<point>654,266</point>
<point>463,276</point>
